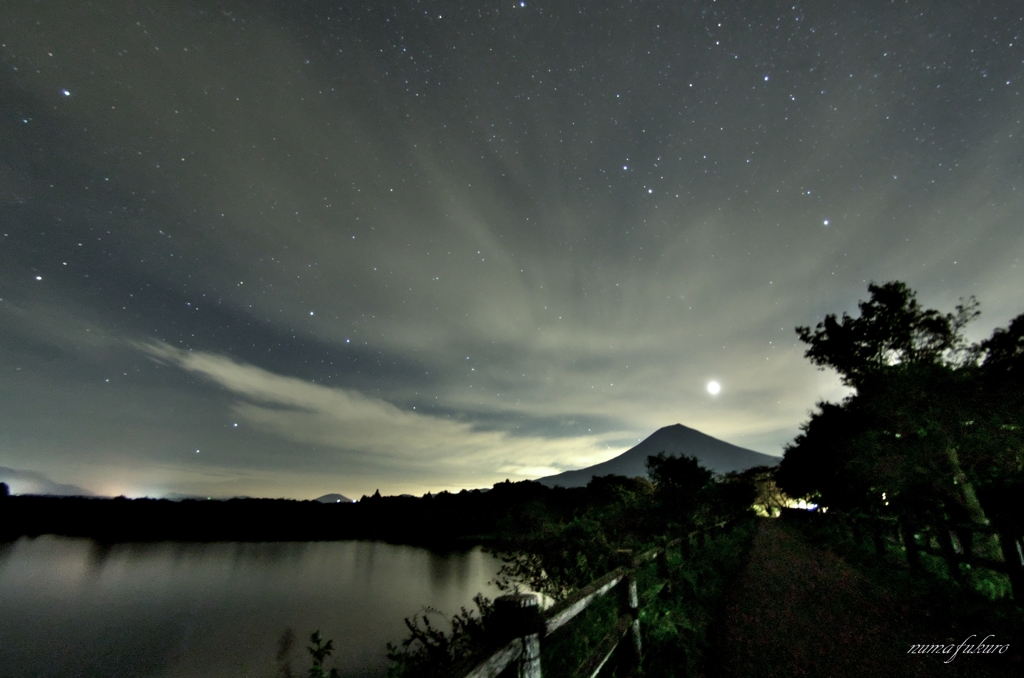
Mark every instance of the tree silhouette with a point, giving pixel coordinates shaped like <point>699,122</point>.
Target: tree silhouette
<point>320,651</point>
<point>892,330</point>
<point>931,434</point>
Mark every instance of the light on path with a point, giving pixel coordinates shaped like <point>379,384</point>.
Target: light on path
<point>714,387</point>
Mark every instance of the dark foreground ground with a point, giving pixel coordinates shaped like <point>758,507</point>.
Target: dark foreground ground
<point>799,609</point>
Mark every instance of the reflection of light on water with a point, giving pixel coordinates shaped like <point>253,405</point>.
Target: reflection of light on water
<point>196,600</point>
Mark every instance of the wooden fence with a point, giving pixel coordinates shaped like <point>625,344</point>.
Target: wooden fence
<point>519,616</point>
<point>955,542</point>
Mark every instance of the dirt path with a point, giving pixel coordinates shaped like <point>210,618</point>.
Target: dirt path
<point>798,610</point>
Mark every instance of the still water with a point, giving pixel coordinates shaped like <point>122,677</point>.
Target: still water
<point>69,607</point>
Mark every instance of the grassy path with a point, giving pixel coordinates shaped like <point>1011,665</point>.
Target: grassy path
<point>800,610</point>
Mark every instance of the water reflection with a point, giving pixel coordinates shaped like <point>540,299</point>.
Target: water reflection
<point>445,570</point>
<point>76,608</point>
<point>98,555</point>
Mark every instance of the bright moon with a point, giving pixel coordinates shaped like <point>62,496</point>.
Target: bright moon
<point>714,387</point>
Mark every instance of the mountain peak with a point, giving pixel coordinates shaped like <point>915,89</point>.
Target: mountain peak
<point>674,440</point>
<point>333,498</point>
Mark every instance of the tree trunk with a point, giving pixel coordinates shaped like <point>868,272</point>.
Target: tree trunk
<point>966,537</point>
<point>879,539</point>
<point>949,552</point>
<point>907,532</point>
<point>988,543</point>
<point>862,540</point>
<point>1014,564</point>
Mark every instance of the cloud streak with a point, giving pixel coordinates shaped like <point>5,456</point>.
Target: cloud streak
<point>437,260</point>
<point>377,433</point>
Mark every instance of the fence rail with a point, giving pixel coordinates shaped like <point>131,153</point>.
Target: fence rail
<point>520,616</point>
<point>955,541</point>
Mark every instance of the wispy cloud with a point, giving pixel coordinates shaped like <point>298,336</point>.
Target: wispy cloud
<point>381,433</point>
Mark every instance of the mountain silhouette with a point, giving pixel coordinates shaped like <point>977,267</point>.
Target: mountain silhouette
<point>333,499</point>
<point>33,482</point>
<point>674,441</point>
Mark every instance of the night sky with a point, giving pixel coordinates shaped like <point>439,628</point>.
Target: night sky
<point>285,248</point>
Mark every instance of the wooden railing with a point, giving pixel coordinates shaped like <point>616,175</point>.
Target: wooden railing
<point>519,616</point>
<point>956,542</point>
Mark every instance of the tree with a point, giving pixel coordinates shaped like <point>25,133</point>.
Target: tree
<point>679,483</point>
<point>899,358</point>
<point>931,421</point>
<point>892,330</point>
<point>995,450</point>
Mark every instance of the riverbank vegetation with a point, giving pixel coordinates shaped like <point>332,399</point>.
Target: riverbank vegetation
<point>443,520</point>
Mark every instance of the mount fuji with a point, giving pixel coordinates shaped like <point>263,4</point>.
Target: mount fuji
<point>674,441</point>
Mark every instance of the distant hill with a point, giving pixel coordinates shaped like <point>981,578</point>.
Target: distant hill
<point>177,496</point>
<point>333,499</point>
<point>674,441</point>
<point>21,481</point>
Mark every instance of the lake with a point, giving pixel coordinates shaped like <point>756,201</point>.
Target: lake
<point>71,607</point>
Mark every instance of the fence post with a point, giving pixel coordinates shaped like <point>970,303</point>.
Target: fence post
<point>517,615</point>
<point>634,608</point>
<point>631,599</point>
<point>663,570</point>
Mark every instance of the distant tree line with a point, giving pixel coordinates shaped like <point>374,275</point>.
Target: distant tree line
<point>501,514</point>
<point>467,516</point>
